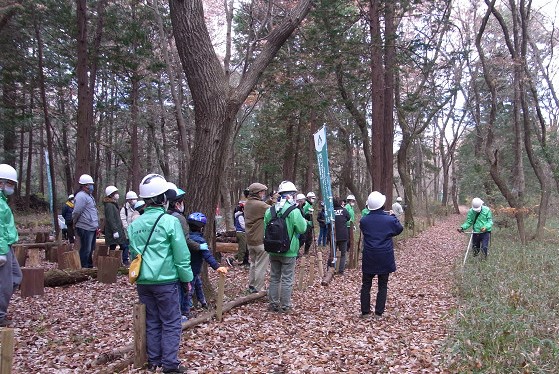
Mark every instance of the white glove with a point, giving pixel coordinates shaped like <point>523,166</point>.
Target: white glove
<point>115,235</point>
<point>3,260</point>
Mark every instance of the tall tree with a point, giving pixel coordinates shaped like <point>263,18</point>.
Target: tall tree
<point>216,102</point>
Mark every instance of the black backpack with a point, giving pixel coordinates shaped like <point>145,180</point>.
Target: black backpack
<point>276,236</point>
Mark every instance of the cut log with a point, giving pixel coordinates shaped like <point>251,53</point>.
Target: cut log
<point>226,247</point>
<point>107,269</point>
<point>33,282</point>
<point>328,276</point>
<point>107,357</point>
<point>70,260</point>
<point>56,277</point>
<point>6,350</point>
<point>101,250</point>
<point>20,253</point>
<point>116,253</point>
<point>41,237</point>
<point>33,258</point>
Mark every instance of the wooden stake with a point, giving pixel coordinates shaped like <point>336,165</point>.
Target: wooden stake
<point>220,294</point>
<point>320,265</point>
<point>301,274</point>
<point>139,320</point>
<point>69,260</point>
<point>107,269</point>
<point>33,282</point>
<point>6,350</point>
<point>312,270</point>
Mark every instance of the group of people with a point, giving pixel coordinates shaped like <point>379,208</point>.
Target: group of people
<point>173,247</point>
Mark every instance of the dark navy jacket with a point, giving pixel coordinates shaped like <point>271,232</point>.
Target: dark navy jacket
<point>341,218</point>
<point>198,257</point>
<point>378,229</point>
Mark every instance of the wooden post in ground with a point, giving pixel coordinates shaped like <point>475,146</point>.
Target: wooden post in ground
<point>60,250</point>
<point>107,269</point>
<point>6,350</point>
<point>320,265</point>
<point>139,321</point>
<point>33,282</point>
<point>69,260</point>
<point>301,274</point>
<point>312,270</point>
<point>21,254</point>
<point>33,258</point>
<point>220,295</point>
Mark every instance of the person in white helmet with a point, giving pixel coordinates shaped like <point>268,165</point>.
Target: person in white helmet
<point>127,212</point>
<point>114,230</point>
<point>378,228</point>
<point>86,219</point>
<point>66,213</point>
<point>481,220</point>
<point>160,240</point>
<point>282,265</point>
<point>397,207</point>
<point>10,273</point>
<point>255,208</point>
<point>350,203</point>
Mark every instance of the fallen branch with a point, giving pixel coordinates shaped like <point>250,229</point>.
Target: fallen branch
<point>57,277</point>
<point>107,357</point>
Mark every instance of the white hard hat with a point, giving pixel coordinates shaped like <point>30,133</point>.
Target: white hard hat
<point>85,179</point>
<point>153,185</point>
<point>287,186</point>
<point>476,204</point>
<point>398,199</point>
<point>350,197</point>
<point>172,186</point>
<point>131,195</point>
<point>375,200</point>
<point>311,194</point>
<point>110,190</point>
<point>300,197</point>
<point>8,172</point>
<point>71,196</point>
<point>139,204</point>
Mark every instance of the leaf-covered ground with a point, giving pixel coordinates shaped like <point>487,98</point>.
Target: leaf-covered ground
<point>66,329</point>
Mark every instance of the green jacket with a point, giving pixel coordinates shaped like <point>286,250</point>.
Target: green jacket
<point>351,212</point>
<point>8,231</point>
<point>296,224</point>
<point>365,211</point>
<point>485,219</point>
<point>166,258</point>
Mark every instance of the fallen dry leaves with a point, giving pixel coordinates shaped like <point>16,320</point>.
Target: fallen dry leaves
<point>66,329</point>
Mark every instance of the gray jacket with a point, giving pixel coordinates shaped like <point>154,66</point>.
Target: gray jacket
<point>85,212</point>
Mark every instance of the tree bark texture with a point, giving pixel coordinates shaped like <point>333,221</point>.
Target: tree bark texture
<point>216,103</point>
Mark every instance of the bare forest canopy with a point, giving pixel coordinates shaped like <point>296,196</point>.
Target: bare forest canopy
<point>435,101</point>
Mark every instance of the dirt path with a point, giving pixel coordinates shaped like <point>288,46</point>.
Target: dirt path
<point>326,334</point>
<point>66,329</point>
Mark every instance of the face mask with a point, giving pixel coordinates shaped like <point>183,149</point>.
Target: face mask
<point>352,203</point>
<point>116,196</point>
<point>8,190</point>
<point>132,202</point>
<point>90,188</point>
<point>166,205</point>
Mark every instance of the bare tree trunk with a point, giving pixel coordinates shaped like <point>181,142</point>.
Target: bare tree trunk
<point>47,121</point>
<point>216,103</point>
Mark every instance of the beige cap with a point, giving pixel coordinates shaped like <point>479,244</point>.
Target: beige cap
<point>256,188</point>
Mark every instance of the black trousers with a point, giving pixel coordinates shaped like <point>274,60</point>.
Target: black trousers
<point>381,293</point>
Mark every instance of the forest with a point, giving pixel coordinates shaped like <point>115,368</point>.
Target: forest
<point>434,101</point>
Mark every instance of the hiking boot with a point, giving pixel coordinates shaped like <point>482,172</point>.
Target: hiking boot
<point>273,308</point>
<point>180,369</point>
<point>476,251</point>
<point>152,367</point>
<point>378,316</point>
<point>365,315</point>
<point>286,309</point>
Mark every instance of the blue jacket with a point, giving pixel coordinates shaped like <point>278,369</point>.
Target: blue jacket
<point>198,257</point>
<point>378,229</point>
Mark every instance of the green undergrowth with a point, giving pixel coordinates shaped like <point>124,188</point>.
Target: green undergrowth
<point>507,319</point>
